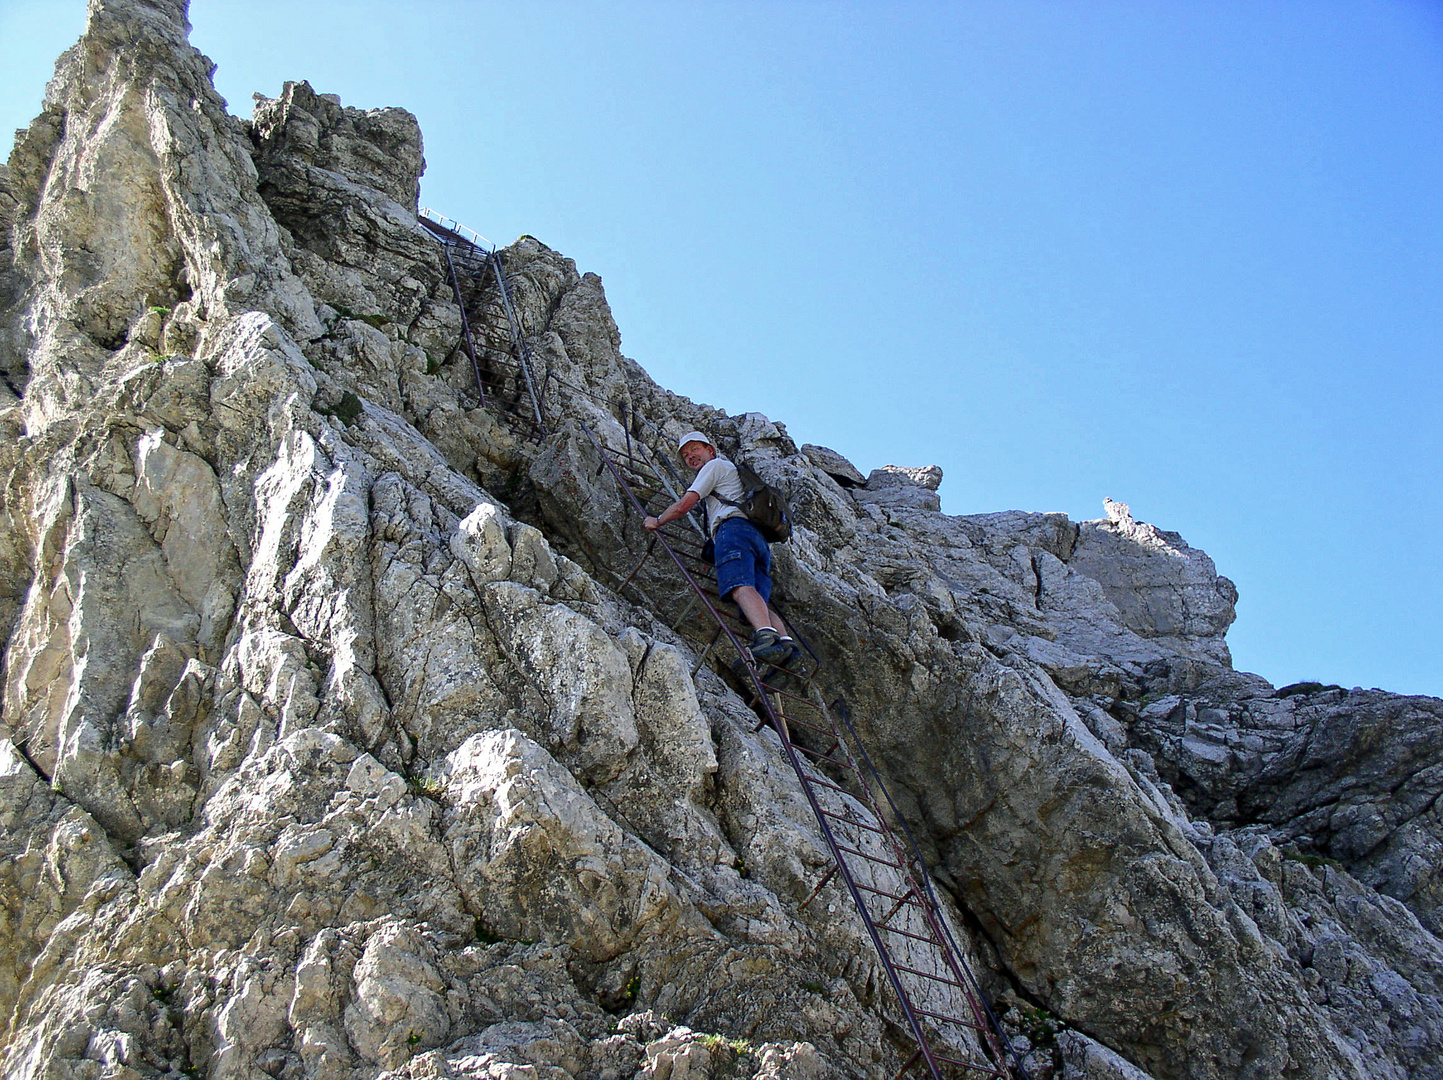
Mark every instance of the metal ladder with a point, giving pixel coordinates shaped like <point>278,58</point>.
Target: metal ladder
<point>492,336</point>
<point>944,1013</point>
<point>943,1009</point>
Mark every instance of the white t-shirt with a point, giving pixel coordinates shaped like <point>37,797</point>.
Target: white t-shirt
<point>720,476</point>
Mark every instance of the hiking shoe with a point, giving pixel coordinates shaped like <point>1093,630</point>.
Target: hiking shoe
<point>767,647</point>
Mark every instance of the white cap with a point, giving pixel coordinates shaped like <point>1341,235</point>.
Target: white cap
<point>693,436</point>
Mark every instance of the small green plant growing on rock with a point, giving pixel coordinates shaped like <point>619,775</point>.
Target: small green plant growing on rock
<point>348,410</point>
<point>427,787</point>
<point>1039,1025</point>
<point>814,988</point>
<point>1306,687</point>
<point>413,1038</point>
<point>721,1047</point>
<point>484,935</point>
<point>377,321</point>
<point>1317,862</point>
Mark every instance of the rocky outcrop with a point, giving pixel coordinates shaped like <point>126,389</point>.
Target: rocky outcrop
<point>335,748</point>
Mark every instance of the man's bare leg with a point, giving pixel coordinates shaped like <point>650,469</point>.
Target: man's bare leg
<point>756,610</point>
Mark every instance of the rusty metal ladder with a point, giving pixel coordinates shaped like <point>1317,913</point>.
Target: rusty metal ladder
<point>502,365</point>
<point>943,1009</point>
<point>944,1012</point>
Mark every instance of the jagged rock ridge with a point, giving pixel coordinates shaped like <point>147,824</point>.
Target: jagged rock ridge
<point>332,750</point>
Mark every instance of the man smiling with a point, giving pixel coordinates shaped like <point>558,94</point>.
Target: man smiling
<point>743,557</point>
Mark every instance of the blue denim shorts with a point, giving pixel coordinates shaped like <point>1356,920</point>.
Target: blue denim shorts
<point>742,558</point>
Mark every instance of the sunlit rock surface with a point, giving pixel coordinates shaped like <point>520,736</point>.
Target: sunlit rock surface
<point>331,749</point>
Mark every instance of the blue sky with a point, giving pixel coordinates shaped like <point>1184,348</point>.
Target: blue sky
<point>1186,255</point>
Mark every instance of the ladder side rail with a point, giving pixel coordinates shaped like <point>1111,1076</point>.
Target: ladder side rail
<point>518,338</point>
<point>465,324</point>
<point>892,968</point>
<point>451,235</point>
<point>910,854</point>
<point>838,853</point>
<point>893,977</point>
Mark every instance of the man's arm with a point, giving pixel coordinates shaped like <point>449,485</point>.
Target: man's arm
<point>680,508</point>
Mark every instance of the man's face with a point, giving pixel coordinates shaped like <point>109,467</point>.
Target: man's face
<point>696,454</point>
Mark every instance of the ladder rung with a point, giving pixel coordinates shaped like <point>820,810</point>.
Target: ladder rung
<point>850,821</point>
<point>808,702</point>
<point>817,755</point>
<point>819,782</point>
<point>929,975</point>
<point>676,536</point>
<point>906,898</point>
<point>637,475</point>
<point>804,724</point>
<point>973,1024</point>
<point>989,1069</point>
<point>864,855</point>
<point>906,933</point>
<point>646,462</point>
<point>704,569</point>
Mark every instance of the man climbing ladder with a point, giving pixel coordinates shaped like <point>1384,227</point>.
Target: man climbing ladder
<point>743,557</point>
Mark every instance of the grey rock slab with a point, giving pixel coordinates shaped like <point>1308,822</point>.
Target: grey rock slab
<point>833,464</point>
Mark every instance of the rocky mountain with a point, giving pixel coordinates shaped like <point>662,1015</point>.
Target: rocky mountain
<point>336,744</point>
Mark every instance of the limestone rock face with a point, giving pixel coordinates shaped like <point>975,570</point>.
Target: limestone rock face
<point>337,743</point>
<point>1173,593</point>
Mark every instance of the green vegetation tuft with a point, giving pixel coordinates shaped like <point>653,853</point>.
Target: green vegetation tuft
<point>1306,687</point>
<point>377,321</point>
<point>427,787</point>
<point>484,935</point>
<point>1039,1025</point>
<point>1317,862</point>
<point>633,987</point>
<point>719,1044</point>
<point>348,410</point>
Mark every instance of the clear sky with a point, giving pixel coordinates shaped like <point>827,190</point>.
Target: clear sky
<point>1188,255</point>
